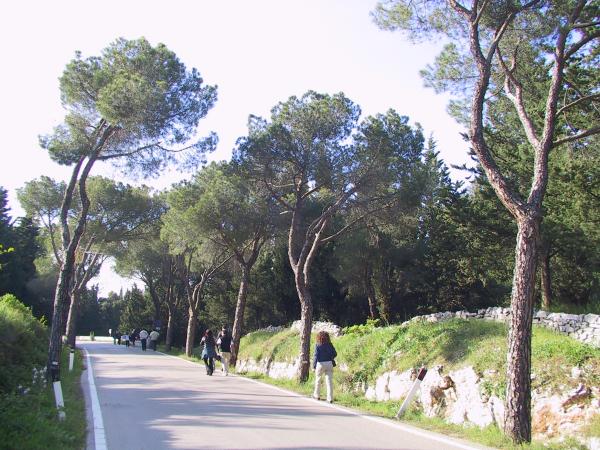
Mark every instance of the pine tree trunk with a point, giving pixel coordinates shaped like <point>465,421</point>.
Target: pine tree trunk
<point>60,299</point>
<point>72,318</point>
<point>517,418</point>
<point>546,276</point>
<point>169,335</point>
<point>370,289</point>
<point>386,294</point>
<point>191,331</point>
<point>306,312</point>
<point>239,315</point>
<point>70,244</point>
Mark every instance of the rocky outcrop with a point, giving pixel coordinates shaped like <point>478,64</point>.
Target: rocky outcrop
<point>268,367</point>
<point>457,396</point>
<point>460,397</point>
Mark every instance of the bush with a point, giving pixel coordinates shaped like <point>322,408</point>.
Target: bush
<point>29,419</point>
<point>24,341</point>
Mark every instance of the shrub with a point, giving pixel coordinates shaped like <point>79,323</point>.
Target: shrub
<point>24,340</point>
<point>29,420</point>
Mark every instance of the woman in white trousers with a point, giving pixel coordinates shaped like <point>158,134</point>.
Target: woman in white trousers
<point>324,362</point>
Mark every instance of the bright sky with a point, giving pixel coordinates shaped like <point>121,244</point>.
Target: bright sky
<point>258,52</point>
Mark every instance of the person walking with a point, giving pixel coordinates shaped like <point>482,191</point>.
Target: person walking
<point>153,338</point>
<point>133,336</point>
<point>143,339</point>
<point>113,334</point>
<point>324,362</point>
<point>209,351</point>
<point>224,344</point>
<point>125,339</point>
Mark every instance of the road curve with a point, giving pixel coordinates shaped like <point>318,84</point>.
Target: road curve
<point>148,400</point>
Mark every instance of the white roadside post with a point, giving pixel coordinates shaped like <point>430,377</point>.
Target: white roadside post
<point>412,392</point>
<point>71,359</point>
<point>58,395</point>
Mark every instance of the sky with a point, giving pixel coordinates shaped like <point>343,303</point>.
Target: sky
<point>258,53</point>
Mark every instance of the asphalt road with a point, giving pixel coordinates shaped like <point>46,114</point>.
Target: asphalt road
<point>148,400</point>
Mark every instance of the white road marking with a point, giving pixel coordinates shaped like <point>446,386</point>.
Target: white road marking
<point>99,434</point>
<point>374,419</point>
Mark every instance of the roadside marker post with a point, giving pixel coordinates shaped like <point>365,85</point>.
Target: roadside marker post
<point>412,392</point>
<point>58,395</point>
<point>71,359</point>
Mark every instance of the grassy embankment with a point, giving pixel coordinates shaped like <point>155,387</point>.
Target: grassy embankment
<point>365,352</point>
<point>28,415</point>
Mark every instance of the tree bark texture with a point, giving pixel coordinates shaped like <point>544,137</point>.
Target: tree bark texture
<point>545,276</point>
<point>72,318</point>
<point>306,314</point>
<point>239,315</point>
<point>191,331</point>
<point>81,276</point>
<point>62,293</point>
<point>169,334</point>
<point>517,419</point>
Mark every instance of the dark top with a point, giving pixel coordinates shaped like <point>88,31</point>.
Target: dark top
<point>225,343</point>
<point>324,352</point>
<point>209,349</point>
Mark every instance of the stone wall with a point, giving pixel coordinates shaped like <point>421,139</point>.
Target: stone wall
<point>583,327</point>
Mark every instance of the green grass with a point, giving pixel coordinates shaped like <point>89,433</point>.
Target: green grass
<point>280,346</point>
<point>593,428</point>
<point>30,421</point>
<point>365,352</point>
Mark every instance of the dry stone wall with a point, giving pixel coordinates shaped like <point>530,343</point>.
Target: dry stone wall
<point>583,327</point>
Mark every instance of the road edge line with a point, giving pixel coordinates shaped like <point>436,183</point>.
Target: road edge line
<point>382,421</point>
<point>98,423</point>
<point>409,429</point>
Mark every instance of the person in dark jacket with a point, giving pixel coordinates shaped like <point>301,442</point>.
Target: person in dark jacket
<point>323,363</point>
<point>209,351</point>
<point>224,343</point>
<point>133,336</point>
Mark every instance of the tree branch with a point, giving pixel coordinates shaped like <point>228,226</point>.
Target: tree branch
<point>517,98</point>
<point>576,102</point>
<point>580,135</point>
<point>578,45</point>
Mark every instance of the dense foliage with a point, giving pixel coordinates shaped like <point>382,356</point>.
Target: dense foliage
<point>19,248</point>
<point>23,340</point>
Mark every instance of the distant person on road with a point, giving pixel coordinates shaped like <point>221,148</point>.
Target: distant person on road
<point>324,362</point>
<point>224,344</point>
<point>114,333</point>
<point>133,336</point>
<point>153,338</point>
<point>209,352</point>
<point>125,338</point>
<point>143,338</point>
